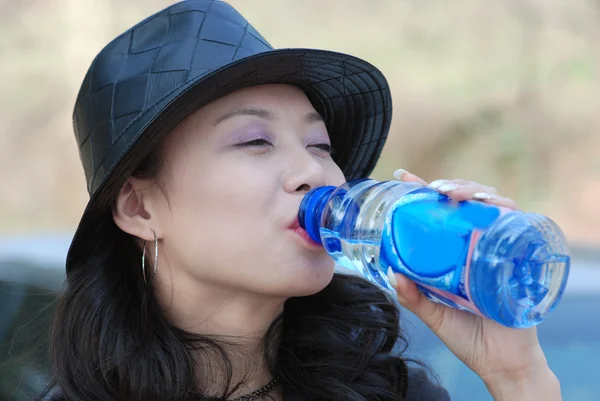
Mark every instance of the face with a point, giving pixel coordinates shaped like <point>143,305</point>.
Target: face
<point>234,175</point>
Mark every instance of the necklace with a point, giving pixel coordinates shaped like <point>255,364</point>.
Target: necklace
<point>256,394</point>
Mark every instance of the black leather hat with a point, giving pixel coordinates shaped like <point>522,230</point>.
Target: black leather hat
<point>148,79</point>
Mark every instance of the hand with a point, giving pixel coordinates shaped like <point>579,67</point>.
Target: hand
<point>498,354</point>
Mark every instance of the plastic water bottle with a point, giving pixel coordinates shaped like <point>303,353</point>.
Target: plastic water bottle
<point>509,266</point>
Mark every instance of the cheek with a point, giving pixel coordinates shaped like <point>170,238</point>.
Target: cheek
<point>220,224</point>
<point>335,176</point>
<point>215,247</point>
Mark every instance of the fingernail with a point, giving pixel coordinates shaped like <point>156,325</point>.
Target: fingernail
<point>447,187</point>
<point>392,278</point>
<point>399,173</point>
<point>483,196</point>
<point>437,183</point>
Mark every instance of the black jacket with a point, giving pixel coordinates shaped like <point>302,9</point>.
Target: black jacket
<point>420,388</point>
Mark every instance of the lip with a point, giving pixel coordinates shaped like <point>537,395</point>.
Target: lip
<point>295,227</point>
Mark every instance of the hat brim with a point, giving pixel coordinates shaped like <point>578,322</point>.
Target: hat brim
<point>352,96</point>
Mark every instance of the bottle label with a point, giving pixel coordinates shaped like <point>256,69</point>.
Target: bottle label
<point>432,240</point>
<point>462,298</point>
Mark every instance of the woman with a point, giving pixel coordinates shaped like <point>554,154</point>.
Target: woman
<point>188,277</point>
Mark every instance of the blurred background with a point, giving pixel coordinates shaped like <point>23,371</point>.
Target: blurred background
<point>506,93</point>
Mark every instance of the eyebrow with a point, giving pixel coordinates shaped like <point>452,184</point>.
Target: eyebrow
<point>263,113</point>
<point>313,117</point>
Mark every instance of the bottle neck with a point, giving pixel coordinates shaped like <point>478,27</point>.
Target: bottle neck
<point>311,210</point>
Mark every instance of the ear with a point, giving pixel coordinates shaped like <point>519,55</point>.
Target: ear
<point>135,210</point>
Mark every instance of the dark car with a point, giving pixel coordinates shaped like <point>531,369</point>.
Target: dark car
<point>31,276</point>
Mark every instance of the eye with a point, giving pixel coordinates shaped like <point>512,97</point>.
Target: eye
<point>256,143</point>
<point>324,147</point>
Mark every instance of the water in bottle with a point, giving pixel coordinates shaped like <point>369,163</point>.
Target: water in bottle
<point>509,266</point>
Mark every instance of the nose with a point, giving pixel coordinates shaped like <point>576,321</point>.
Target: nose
<point>305,174</point>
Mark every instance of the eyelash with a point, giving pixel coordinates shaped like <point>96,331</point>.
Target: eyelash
<point>259,143</point>
<point>324,147</point>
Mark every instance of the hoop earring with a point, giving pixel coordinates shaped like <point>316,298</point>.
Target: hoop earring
<point>155,260</point>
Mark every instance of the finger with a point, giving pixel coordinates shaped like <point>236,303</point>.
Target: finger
<point>449,185</point>
<point>457,181</point>
<point>403,175</point>
<point>409,296</point>
<point>474,193</point>
<point>497,200</point>
<point>463,192</point>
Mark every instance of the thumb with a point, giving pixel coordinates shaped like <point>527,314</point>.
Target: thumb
<point>410,297</point>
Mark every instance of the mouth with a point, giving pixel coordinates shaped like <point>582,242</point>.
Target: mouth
<point>295,227</point>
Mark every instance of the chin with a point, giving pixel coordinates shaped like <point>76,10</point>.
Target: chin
<point>311,281</point>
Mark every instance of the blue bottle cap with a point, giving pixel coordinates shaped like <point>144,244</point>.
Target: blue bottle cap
<point>311,209</point>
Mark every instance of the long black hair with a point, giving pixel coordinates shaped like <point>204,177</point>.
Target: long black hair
<point>111,340</point>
